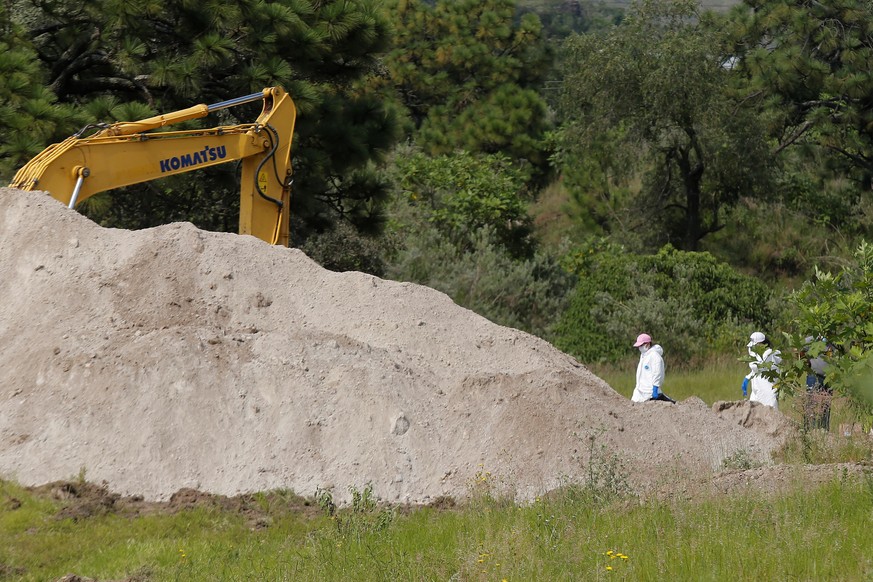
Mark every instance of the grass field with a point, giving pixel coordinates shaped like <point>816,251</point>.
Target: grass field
<point>820,534</point>
<point>720,380</point>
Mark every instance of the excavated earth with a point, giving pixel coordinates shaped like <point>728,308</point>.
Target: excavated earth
<point>175,359</point>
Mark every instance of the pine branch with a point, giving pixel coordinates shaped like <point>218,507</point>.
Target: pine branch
<point>100,84</point>
<point>797,135</point>
<point>64,77</point>
<point>859,159</point>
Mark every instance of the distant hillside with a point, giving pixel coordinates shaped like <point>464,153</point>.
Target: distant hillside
<point>562,18</point>
<point>711,4</point>
<point>577,6</point>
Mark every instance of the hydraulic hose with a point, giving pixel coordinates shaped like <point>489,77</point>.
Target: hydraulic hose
<point>274,143</point>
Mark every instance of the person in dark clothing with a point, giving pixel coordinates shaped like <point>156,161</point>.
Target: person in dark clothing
<point>817,402</point>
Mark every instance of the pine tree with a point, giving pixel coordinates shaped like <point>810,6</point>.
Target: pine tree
<point>810,64</point>
<point>116,57</point>
<point>29,114</point>
<point>468,73</point>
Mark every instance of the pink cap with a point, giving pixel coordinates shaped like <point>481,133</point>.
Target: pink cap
<point>643,338</point>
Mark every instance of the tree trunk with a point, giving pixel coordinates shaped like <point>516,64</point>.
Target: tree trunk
<point>692,217</point>
<point>692,175</point>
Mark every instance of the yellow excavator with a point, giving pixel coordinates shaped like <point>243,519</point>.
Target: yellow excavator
<point>129,152</point>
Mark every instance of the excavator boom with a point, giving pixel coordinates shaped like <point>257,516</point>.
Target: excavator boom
<point>131,152</point>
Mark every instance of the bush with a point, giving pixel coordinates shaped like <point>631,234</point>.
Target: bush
<point>462,193</point>
<point>835,309</point>
<point>343,248</point>
<point>458,223</point>
<point>690,302</point>
<point>527,294</point>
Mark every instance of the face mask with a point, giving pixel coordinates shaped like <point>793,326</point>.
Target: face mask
<point>644,349</point>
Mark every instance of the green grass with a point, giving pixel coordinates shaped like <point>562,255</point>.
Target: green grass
<point>719,380</point>
<point>805,534</point>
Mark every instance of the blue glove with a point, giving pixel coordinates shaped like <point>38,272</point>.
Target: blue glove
<point>745,386</point>
<point>654,391</point>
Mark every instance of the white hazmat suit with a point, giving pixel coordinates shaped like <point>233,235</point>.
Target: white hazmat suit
<point>762,388</point>
<point>650,373</point>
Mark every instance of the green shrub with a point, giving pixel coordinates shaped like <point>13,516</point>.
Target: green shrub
<point>835,309</point>
<point>458,223</point>
<point>343,248</point>
<point>462,193</point>
<point>690,303</point>
<point>527,294</point>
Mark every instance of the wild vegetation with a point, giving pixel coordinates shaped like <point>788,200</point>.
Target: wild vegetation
<point>577,170</point>
<point>595,532</point>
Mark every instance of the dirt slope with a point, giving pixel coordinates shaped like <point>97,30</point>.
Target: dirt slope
<point>171,357</point>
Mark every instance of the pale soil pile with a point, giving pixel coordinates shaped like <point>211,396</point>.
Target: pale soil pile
<point>775,479</point>
<point>175,358</point>
<point>755,416</point>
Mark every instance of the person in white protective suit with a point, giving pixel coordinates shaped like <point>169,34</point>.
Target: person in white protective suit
<point>765,359</point>
<point>650,371</point>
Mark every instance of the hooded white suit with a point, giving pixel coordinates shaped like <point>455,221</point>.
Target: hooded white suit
<point>650,373</point>
<point>762,388</point>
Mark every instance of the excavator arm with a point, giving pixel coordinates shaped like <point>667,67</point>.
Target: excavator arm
<point>130,152</point>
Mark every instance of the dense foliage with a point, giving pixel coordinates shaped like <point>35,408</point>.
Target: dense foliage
<point>652,100</point>
<point>835,321</point>
<point>561,18</point>
<point>461,194</point>
<point>459,225</point>
<point>808,63</point>
<point>29,114</point>
<point>804,66</point>
<point>124,60</point>
<point>690,303</point>
<point>467,73</point>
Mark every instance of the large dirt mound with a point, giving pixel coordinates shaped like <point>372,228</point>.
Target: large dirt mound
<point>174,358</point>
<point>755,416</point>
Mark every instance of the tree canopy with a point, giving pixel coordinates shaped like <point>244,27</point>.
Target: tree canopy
<point>809,66</point>
<point>467,73</point>
<point>651,99</point>
<point>114,58</point>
